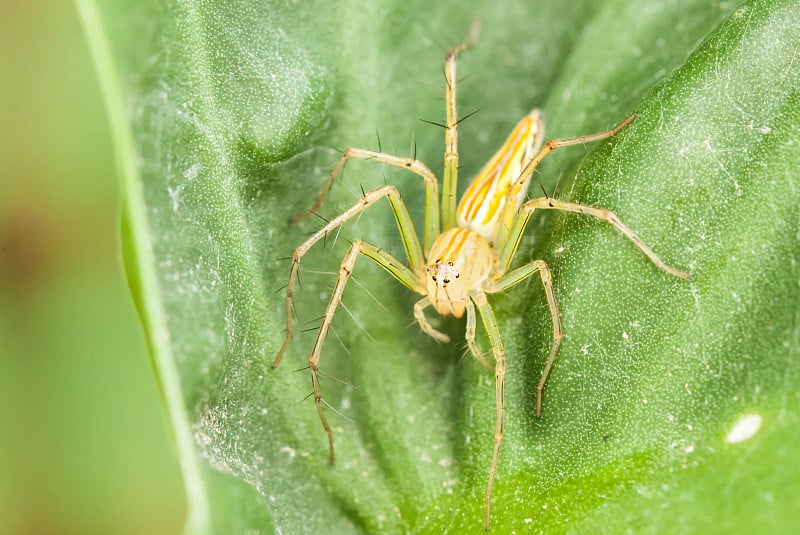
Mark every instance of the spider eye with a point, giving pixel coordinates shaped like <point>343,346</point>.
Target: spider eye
<point>433,277</point>
<point>450,263</point>
<point>458,275</point>
<point>446,281</point>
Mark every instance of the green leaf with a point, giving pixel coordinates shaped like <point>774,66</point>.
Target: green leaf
<point>228,117</point>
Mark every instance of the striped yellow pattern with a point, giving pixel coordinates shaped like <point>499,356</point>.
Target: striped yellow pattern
<point>482,204</point>
<point>449,245</point>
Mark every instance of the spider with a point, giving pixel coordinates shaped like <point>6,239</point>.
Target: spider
<point>467,250</point>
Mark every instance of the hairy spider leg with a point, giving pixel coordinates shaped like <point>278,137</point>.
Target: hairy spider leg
<point>383,259</point>
<point>450,182</point>
<point>415,166</point>
<point>499,353</point>
<point>407,234</point>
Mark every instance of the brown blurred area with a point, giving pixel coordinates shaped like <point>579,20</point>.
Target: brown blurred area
<point>84,446</point>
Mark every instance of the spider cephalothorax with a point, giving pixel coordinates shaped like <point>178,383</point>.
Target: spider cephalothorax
<point>464,260</point>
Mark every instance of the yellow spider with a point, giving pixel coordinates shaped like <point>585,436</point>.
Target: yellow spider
<point>468,251</point>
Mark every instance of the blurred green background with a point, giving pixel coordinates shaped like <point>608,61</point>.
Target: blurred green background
<point>84,447</point>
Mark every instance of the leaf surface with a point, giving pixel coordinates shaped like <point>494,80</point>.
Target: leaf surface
<point>227,119</point>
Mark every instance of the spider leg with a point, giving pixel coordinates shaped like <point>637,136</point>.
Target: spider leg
<point>518,275</point>
<point>407,233</point>
<point>383,259</point>
<point>413,165</point>
<point>509,249</point>
<point>499,352</point>
<point>450,183</point>
<point>546,203</point>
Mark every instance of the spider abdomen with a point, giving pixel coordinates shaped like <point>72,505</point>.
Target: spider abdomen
<point>482,205</point>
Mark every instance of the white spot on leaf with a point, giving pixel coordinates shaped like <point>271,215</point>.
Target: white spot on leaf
<point>745,427</point>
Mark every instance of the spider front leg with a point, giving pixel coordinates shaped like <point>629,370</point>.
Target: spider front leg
<point>415,166</point>
<point>518,275</point>
<point>499,353</point>
<point>383,259</point>
<point>407,234</point>
<point>450,184</point>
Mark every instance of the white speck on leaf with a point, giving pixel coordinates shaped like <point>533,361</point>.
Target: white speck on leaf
<point>744,428</point>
